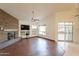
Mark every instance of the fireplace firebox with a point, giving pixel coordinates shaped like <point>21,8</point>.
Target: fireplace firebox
<point>11,35</point>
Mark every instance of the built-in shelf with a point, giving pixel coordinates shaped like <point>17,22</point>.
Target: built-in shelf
<point>24,33</point>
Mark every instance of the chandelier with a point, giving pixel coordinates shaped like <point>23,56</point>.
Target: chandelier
<point>33,17</point>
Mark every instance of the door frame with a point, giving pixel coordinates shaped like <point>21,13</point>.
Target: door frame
<point>65,31</point>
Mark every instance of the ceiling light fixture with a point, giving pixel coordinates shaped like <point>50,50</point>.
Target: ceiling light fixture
<point>33,17</point>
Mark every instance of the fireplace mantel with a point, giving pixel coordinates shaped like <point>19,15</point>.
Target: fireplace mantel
<point>10,29</point>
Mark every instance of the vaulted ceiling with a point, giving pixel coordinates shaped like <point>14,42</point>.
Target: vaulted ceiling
<point>23,11</point>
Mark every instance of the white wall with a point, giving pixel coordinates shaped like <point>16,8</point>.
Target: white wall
<point>68,16</point>
<point>27,22</point>
<point>53,19</point>
<point>49,22</point>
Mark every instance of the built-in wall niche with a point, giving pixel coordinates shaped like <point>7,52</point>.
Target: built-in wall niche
<point>25,31</point>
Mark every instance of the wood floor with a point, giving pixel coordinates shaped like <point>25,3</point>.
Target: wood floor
<point>33,47</point>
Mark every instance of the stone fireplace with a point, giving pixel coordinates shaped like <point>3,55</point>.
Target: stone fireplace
<point>8,34</point>
<point>10,37</point>
<point>8,26</point>
<point>11,33</point>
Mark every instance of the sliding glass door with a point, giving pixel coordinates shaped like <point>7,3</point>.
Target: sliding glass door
<point>65,31</point>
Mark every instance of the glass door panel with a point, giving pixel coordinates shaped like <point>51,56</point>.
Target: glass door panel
<point>61,36</point>
<point>65,31</point>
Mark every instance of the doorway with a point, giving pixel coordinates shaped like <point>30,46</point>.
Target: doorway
<point>65,31</point>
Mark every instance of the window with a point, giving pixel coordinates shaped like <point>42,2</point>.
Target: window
<point>65,31</point>
<point>34,27</point>
<point>42,30</point>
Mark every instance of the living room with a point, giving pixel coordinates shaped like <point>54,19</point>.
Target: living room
<point>39,29</point>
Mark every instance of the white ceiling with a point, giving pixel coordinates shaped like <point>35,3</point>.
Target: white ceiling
<point>23,11</point>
